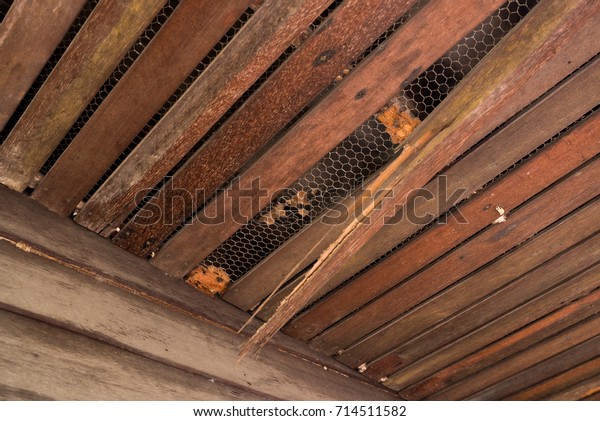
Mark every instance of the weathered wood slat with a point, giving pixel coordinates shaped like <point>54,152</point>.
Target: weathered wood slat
<point>554,111</point>
<point>183,41</point>
<point>82,304</point>
<point>257,45</point>
<point>563,351</point>
<point>557,383</point>
<point>504,281</point>
<point>108,33</point>
<point>586,388</point>
<point>350,30</point>
<point>519,185</point>
<point>508,323</point>
<point>43,361</point>
<point>525,222</point>
<point>29,34</point>
<point>411,49</point>
<point>484,356</point>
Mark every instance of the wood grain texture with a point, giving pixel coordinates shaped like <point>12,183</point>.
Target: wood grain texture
<point>522,224</point>
<point>555,110</point>
<point>545,168</point>
<point>558,383</point>
<point>80,303</point>
<point>537,363</point>
<point>361,94</point>
<point>543,306</point>
<point>488,293</point>
<point>108,33</point>
<point>256,46</point>
<point>44,361</point>
<point>182,42</point>
<point>581,391</point>
<point>349,31</point>
<point>29,34</point>
<point>24,221</point>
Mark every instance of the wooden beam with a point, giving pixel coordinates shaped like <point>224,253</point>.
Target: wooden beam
<point>486,355</point>
<point>563,351</point>
<point>39,360</point>
<point>367,88</point>
<point>525,222</point>
<point>29,34</point>
<point>183,41</point>
<point>92,287</point>
<point>510,322</point>
<point>424,339</point>
<point>258,44</point>
<point>349,31</point>
<point>555,110</point>
<point>108,33</point>
<point>545,168</point>
<point>586,388</point>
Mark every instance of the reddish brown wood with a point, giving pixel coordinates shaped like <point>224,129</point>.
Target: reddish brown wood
<point>29,34</point>
<point>342,38</point>
<point>545,168</point>
<point>506,325</point>
<point>561,352</point>
<point>184,40</point>
<point>411,49</point>
<point>525,222</point>
<point>101,43</point>
<point>587,388</point>
<point>247,56</point>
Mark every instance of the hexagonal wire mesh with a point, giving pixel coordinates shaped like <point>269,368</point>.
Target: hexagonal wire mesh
<point>358,156</point>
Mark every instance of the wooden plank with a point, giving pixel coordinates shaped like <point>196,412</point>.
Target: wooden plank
<point>100,310</point>
<point>525,222</point>
<point>29,34</point>
<point>257,45</point>
<point>507,324</point>
<point>184,40</point>
<point>555,110</point>
<point>559,353</point>
<point>361,94</point>
<point>106,36</point>
<point>558,383</point>
<point>26,222</point>
<point>506,346</point>
<point>349,31</point>
<point>441,316</point>
<point>587,388</point>
<point>510,191</point>
<point>41,360</point>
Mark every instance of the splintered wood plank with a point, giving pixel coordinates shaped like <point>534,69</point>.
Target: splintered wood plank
<point>350,30</point>
<point>183,41</point>
<point>506,325</point>
<point>525,222</point>
<point>106,36</point>
<point>271,30</point>
<point>24,221</point>
<point>559,353</point>
<point>44,360</point>
<point>440,332</point>
<point>585,389</point>
<point>411,49</point>
<point>559,382</point>
<point>546,117</point>
<point>80,303</point>
<point>545,168</point>
<point>29,34</point>
<point>486,355</point>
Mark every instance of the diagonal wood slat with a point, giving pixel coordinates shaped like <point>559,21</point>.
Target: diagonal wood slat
<point>270,31</point>
<point>183,41</point>
<point>29,34</point>
<point>106,36</point>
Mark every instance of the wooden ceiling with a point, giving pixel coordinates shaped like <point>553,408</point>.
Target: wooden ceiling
<point>146,121</point>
